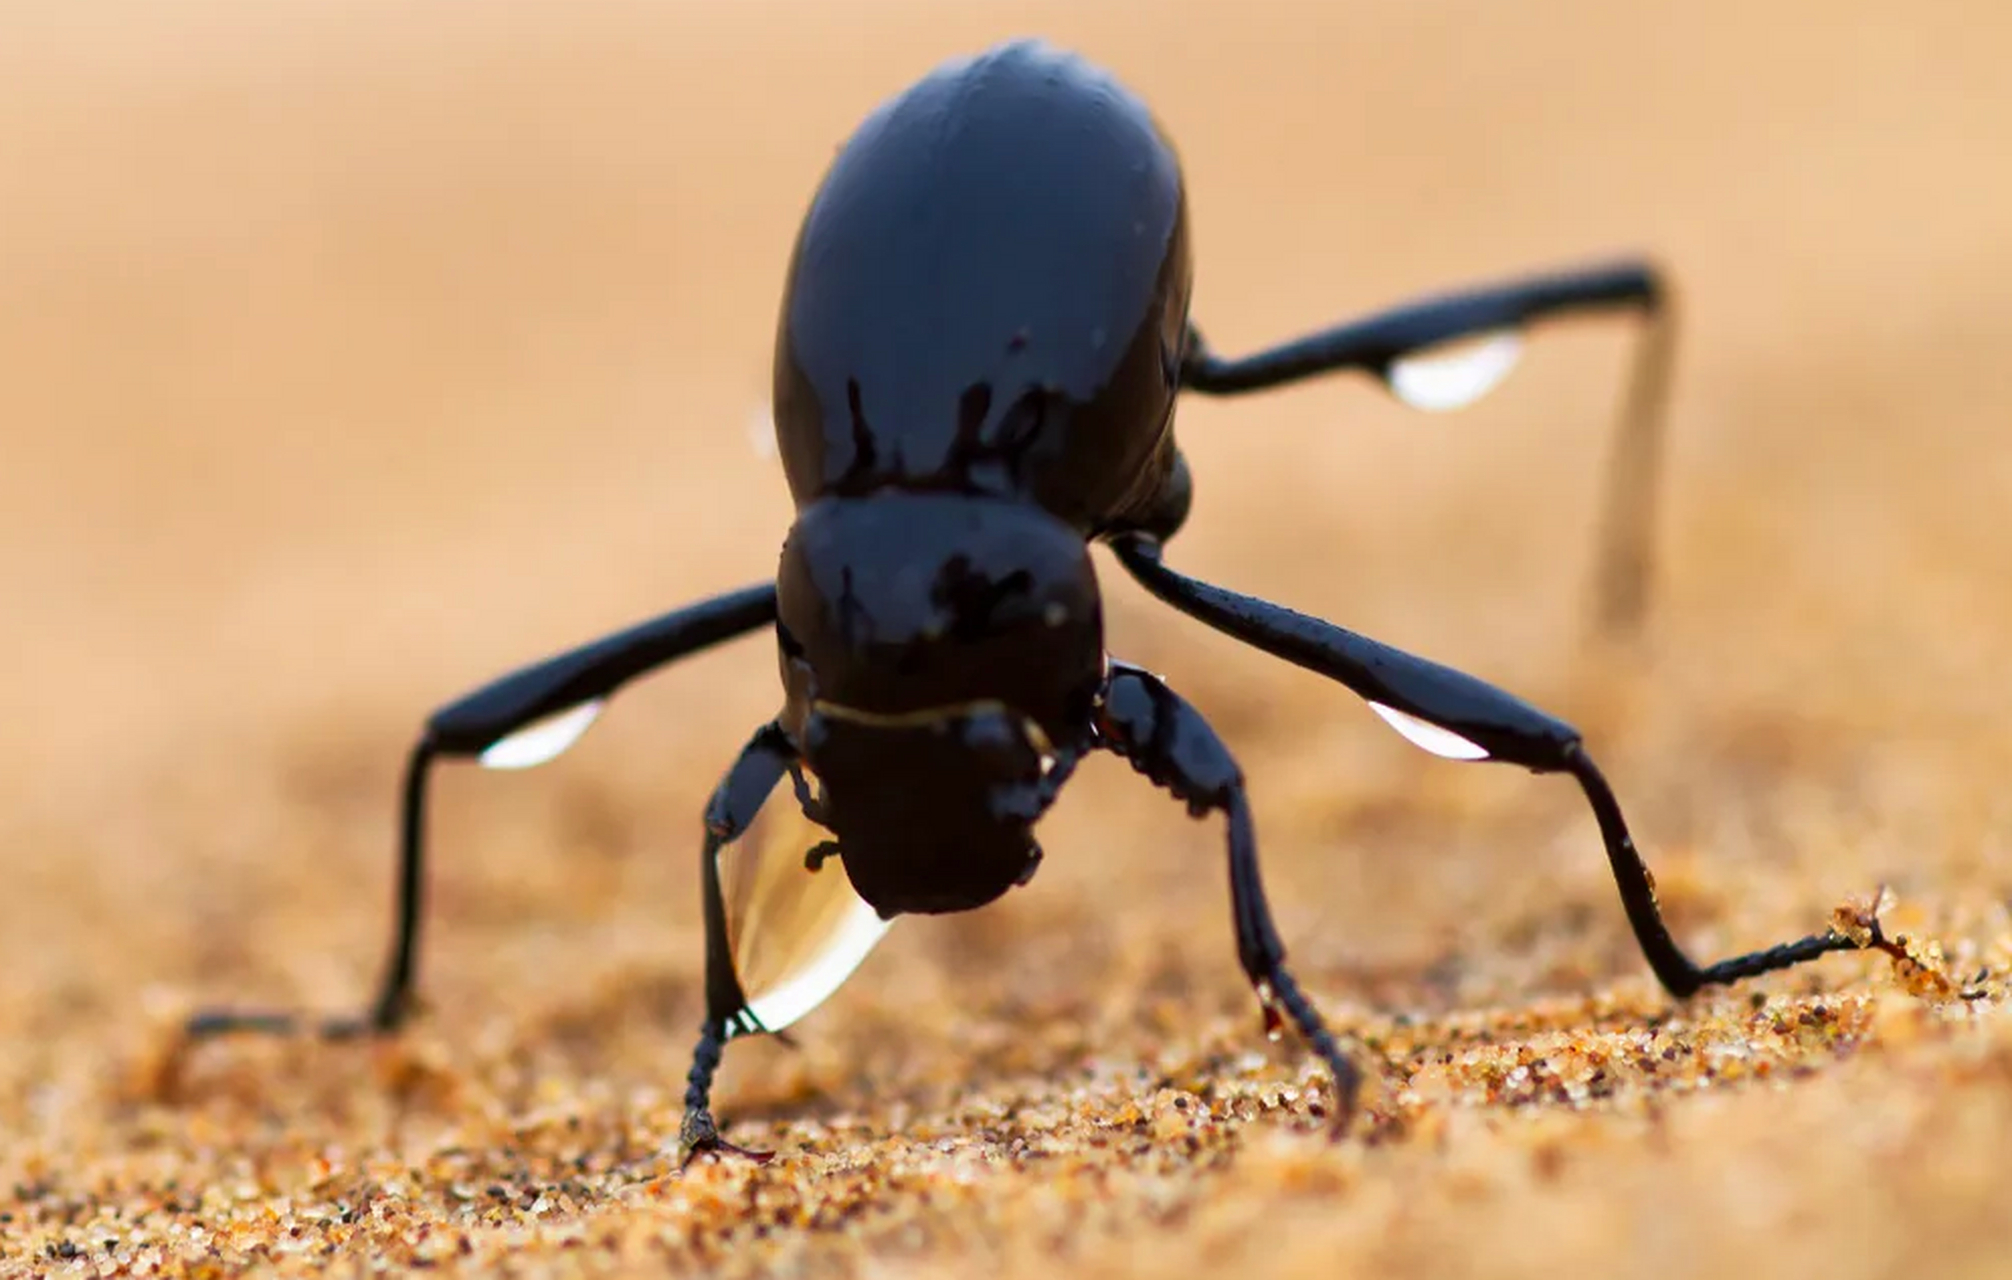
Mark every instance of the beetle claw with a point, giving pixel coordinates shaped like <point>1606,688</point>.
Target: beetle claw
<point>699,1134</point>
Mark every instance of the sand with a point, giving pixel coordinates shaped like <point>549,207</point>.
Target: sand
<point>355,353</point>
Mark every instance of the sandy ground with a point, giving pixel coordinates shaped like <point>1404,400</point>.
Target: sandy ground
<point>352,353</point>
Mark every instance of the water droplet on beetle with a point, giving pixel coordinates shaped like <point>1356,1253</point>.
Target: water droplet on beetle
<point>542,740</point>
<point>1429,736</point>
<point>1454,375</point>
<point>795,934</point>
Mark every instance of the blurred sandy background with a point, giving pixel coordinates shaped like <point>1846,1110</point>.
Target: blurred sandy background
<point>353,353</point>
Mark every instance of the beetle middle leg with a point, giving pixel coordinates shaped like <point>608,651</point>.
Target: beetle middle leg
<point>1381,345</point>
<point>1461,717</point>
<point>525,717</point>
<point>1171,743</point>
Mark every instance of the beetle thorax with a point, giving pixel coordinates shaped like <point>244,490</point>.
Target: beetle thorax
<point>899,606</point>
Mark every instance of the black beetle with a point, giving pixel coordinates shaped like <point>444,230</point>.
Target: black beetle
<point>979,350</point>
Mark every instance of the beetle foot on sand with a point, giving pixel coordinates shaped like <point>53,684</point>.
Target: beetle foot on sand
<point>1920,967</point>
<point>699,1134</point>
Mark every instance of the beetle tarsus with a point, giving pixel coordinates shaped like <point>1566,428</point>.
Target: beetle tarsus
<point>209,1024</point>
<point>1345,1077</point>
<point>697,1132</point>
<point>698,1136</point>
<point>215,1024</point>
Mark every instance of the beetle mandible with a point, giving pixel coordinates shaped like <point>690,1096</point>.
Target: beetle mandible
<point>983,336</point>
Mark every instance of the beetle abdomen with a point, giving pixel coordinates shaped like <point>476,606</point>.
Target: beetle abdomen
<point>988,291</point>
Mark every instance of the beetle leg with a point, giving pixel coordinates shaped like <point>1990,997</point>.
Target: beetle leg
<point>736,801</point>
<point>1455,715</point>
<point>524,718</point>
<point>1167,740</point>
<point>1388,346</point>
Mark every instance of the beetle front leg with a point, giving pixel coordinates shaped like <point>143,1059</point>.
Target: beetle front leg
<point>739,797</point>
<point>1167,740</point>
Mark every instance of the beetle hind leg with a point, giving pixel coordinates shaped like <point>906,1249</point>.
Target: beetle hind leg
<point>1398,345</point>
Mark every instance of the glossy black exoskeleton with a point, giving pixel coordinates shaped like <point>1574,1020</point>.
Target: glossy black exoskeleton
<point>984,334</point>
